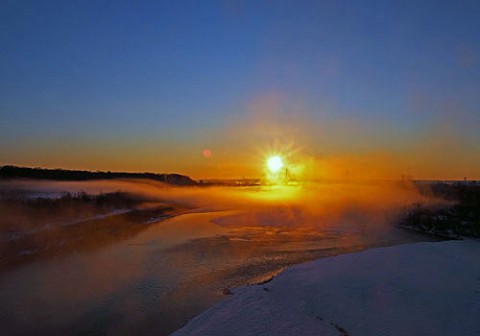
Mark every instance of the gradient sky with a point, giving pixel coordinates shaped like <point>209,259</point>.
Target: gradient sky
<point>148,85</point>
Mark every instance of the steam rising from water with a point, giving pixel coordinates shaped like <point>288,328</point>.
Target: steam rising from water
<point>363,206</point>
<point>161,275</point>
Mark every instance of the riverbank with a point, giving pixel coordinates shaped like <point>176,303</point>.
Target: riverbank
<point>82,228</point>
<point>415,289</point>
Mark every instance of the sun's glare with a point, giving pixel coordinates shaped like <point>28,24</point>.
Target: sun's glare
<point>274,163</point>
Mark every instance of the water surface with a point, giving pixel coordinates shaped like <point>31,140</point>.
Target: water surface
<point>155,281</point>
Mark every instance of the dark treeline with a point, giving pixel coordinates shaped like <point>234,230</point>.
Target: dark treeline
<point>105,201</point>
<point>13,172</point>
<point>461,217</point>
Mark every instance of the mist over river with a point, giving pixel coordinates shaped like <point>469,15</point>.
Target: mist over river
<point>154,280</point>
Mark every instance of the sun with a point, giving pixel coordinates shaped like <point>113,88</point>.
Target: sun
<point>274,163</point>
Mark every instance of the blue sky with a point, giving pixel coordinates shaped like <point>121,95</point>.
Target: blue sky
<point>99,73</point>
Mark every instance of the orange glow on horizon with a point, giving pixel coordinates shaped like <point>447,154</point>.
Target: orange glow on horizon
<point>309,150</point>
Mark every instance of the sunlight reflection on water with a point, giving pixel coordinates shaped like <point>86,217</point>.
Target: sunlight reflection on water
<point>155,280</point>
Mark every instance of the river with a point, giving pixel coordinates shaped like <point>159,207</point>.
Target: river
<point>154,282</point>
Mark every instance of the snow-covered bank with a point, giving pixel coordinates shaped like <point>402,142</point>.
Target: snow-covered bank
<point>418,289</point>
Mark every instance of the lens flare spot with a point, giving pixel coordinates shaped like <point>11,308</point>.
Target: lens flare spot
<point>274,163</point>
<point>207,153</point>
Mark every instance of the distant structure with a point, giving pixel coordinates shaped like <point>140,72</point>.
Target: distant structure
<point>407,178</point>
